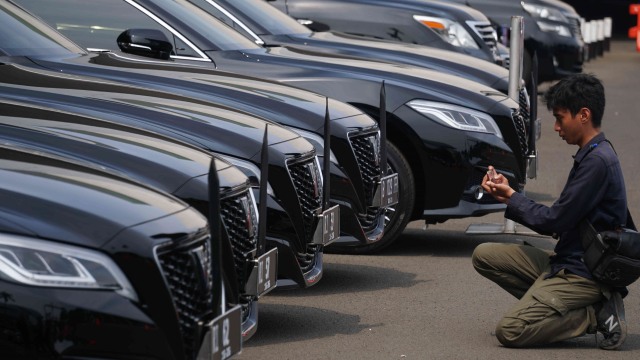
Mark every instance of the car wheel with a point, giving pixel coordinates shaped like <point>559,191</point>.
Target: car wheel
<point>396,217</point>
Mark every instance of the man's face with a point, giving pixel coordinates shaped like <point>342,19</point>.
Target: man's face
<point>569,127</point>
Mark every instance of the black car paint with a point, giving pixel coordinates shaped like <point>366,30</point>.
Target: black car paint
<point>131,224</point>
<point>271,27</point>
<point>282,104</point>
<point>358,82</point>
<point>392,20</point>
<point>154,160</point>
<point>558,56</point>
<point>198,123</point>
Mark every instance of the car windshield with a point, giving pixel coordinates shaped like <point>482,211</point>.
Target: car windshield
<point>97,23</point>
<point>21,35</point>
<point>263,18</point>
<point>223,36</point>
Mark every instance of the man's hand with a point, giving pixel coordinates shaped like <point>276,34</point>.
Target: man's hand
<point>497,186</point>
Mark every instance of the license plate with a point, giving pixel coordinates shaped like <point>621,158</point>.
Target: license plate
<point>263,274</point>
<point>388,190</point>
<point>224,338</point>
<point>328,229</point>
<point>267,271</point>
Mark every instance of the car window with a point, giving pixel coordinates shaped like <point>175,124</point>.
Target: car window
<point>97,23</point>
<point>225,19</point>
<point>264,18</point>
<point>21,35</point>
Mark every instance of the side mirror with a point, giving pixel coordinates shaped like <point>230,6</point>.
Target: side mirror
<point>145,42</point>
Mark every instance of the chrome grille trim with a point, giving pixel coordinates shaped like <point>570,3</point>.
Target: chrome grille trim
<point>187,270</point>
<point>525,111</point>
<point>366,149</point>
<point>239,214</point>
<point>307,180</point>
<point>486,32</point>
<point>575,26</point>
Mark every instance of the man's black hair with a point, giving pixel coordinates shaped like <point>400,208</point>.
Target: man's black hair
<point>576,92</point>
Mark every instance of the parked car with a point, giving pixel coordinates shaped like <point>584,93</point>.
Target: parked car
<point>97,266</point>
<point>424,137</point>
<point>161,162</point>
<point>354,135</point>
<point>437,24</point>
<point>295,182</point>
<point>266,25</point>
<point>551,31</point>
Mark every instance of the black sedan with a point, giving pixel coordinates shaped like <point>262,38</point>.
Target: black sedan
<point>551,29</point>
<point>161,162</point>
<point>439,24</point>
<point>438,124</point>
<point>264,24</point>
<point>94,266</point>
<point>354,135</point>
<point>236,136</point>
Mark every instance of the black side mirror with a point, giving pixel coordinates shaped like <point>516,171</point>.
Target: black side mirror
<point>145,42</point>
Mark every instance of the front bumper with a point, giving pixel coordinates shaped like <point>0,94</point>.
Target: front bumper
<point>558,56</point>
<point>47,323</point>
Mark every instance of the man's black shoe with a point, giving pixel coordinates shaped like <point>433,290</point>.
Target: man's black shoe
<point>611,322</point>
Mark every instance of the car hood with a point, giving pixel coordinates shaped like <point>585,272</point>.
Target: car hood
<point>198,122</point>
<point>123,150</point>
<point>302,109</point>
<point>316,72</point>
<point>81,205</point>
<point>559,5</point>
<point>440,9</point>
<point>445,61</point>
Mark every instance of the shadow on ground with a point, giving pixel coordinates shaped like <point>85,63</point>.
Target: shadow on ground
<point>339,278</point>
<point>287,323</point>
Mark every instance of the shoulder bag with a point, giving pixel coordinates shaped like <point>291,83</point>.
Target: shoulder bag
<point>613,256</point>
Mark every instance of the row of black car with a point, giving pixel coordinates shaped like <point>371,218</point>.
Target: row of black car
<point>169,171</point>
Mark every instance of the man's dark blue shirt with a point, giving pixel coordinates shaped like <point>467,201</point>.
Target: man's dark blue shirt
<point>595,190</point>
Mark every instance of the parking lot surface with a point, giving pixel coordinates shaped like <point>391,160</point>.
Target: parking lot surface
<point>421,298</point>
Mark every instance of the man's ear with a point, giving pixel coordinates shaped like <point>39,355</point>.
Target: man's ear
<point>584,115</point>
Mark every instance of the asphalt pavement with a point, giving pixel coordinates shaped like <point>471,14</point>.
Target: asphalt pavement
<point>421,298</point>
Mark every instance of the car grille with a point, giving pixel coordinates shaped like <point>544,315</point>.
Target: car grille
<point>523,122</point>
<point>188,273</point>
<point>307,181</point>
<point>240,220</point>
<point>366,148</point>
<point>486,32</point>
<point>575,26</point>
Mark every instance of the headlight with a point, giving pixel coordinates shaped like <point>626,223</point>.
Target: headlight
<point>44,263</point>
<point>559,29</point>
<point>249,169</point>
<point>451,31</point>
<point>317,141</point>
<point>543,12</point>
<point>457,117</point>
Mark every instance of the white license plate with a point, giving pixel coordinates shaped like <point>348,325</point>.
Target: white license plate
<point>267,271</point>
<point>388,191</point>
<point>328,229</point>
<point>224,338</point>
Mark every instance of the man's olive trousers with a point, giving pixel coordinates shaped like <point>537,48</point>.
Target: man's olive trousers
<point>548,310</point>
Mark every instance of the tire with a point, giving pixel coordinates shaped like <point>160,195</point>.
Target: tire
<point>397,217</point>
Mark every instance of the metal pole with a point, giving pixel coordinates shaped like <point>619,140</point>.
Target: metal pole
<point>515,53</point>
